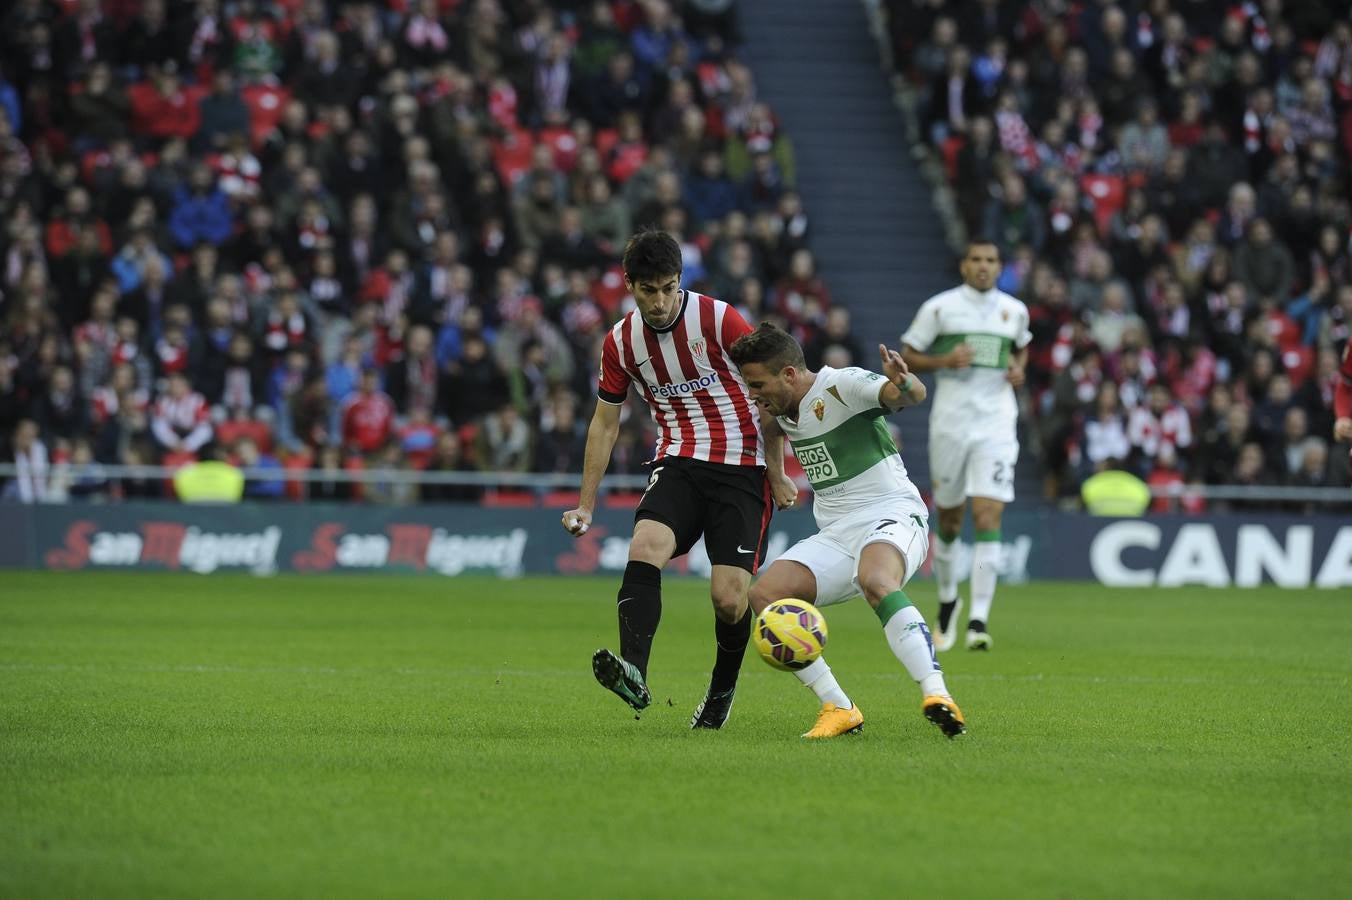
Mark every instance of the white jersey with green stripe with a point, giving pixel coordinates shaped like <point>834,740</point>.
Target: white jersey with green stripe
<point>977,399</point>
<point>842,441</point>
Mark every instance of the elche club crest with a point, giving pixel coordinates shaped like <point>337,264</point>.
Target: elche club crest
<point>819,408</point>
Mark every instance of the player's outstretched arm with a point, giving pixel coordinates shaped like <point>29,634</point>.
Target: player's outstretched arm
<point>601,435</point>
<point>902,388</point>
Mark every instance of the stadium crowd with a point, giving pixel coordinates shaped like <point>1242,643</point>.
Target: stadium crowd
<point>340,233</point>
<point>331,234</point>
<point>1168,181</point>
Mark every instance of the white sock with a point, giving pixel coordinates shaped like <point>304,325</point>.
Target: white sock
<point>819,678</point>
<point>945,572</point>
<point>908,638</point>
<point>985,560</point>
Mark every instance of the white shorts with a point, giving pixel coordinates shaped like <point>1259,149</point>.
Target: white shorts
<point>832,554</point>
<point>975,466</point>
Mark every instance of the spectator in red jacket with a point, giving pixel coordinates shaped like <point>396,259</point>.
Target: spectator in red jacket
<point>418,437</point>
<point>368,417</point>
<point>64,231</point>
<point>163,108</point>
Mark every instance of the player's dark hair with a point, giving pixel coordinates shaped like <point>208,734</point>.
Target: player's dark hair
<point>980,241</point>
<point>651,255</point>
<point>769,345</point>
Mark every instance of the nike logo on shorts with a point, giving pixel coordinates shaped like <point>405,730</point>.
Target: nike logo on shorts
<point>740,550</point>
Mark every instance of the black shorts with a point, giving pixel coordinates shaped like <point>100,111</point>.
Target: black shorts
<point>729,505</point>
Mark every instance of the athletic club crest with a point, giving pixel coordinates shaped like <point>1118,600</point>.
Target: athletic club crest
<point>699,350</point>
<point>819,408</point>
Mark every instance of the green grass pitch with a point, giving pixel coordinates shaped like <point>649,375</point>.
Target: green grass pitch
<point>167,736</point>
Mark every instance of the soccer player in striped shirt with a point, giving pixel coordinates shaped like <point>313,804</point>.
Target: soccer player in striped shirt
<point>708,475</point>
<point>874,526</point>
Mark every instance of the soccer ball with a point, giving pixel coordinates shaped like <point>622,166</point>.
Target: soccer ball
<point>790,634</point>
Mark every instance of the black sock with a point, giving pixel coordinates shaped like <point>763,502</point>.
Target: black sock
<point>946,614</point>
<point>731,638</point>
<point>976,625</point>
<point>640,609</point>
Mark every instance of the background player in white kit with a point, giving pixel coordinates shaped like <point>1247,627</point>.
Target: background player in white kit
<point>975,338</point>
<point>874,531</point>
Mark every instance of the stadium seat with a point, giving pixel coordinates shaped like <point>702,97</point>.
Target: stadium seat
<point>509,498</point>
<point>1283,329</point>
<point>609,290</point>
<point>355,464</point>
<point>231,430</point>
<point>605,141</point>
<point>93,160</point>
<point>950,150</point>
<point>624,160</point>
<point>469,436</point>
<point>563,143</point>
<point>511,155</point>
<point>1299,362</point>
<point>175,459</point>
<point>296,462</point>
<point>1108,192</point>
<point>266,104</point>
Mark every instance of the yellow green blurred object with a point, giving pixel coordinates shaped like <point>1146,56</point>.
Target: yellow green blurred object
<point>1115,493</point>
<point>209,482</point>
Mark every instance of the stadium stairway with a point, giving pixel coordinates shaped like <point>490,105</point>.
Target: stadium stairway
<point>876,236</point>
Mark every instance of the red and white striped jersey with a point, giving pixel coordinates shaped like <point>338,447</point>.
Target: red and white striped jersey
<point>1150,430</point>
<point>182,414</point>
<point>184,421</point>
<point>698,400</point>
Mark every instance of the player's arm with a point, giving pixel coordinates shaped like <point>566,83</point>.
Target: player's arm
<point>782,487</point>
<point>1016,373</point>
<point>611,389</point>
<point>1018,363</point>
<point>774,444</point>
<point>601,436</point>
<point>960,357</point>
<point>901,387</point>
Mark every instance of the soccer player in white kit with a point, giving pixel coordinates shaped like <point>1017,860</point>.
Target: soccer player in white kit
<point>874,525</point>
<point>975,339</point>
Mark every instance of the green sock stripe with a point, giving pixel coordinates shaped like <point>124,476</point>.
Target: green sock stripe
<point>986,536</point>
<point>892,604</point>
<point>948,537</point>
